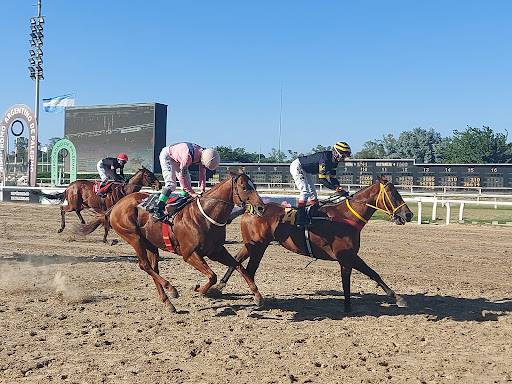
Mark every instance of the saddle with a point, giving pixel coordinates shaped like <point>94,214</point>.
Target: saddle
<point>102,191</point>
<point>290,215</point>
<point>176,204</point>
<point>173,205</point>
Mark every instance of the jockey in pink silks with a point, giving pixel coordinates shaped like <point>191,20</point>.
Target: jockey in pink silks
<point>175,160</point>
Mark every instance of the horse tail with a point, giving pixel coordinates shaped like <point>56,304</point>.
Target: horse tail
<point>235,214</point>
<point>60,196</point>
<point>90,227</point>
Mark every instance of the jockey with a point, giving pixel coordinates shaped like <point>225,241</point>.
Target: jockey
<point>107,170</point>
<point>324,163</point>
<point>175,160</point>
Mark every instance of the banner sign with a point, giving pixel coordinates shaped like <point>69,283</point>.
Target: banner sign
<point>20,195</point>
<point>19,112</point>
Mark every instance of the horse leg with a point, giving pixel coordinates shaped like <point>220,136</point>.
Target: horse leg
<point>251,251</point>
<point>345,280</point>
<point>199,263</point>
<point>137,243</point>
<point>224,257</point>
<point>106,228</point>
<point>62,219</point>
<point>362,267</point>
<point>80,216</point>
<point>241,256</point>
<point>154,258</point>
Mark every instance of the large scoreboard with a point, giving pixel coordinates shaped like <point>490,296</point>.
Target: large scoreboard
<point>398,171</point>
<point>139,130</point>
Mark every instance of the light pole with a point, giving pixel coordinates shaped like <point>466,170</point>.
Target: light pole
<point>36,53</point>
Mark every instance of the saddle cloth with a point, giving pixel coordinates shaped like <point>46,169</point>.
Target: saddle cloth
<point>96,187</point>
<point>289,216</point>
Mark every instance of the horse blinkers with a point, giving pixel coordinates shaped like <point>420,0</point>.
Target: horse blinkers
<point>251,200</point>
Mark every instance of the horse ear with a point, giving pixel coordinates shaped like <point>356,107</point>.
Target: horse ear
<point>382,179</point>
<point>240,171</point>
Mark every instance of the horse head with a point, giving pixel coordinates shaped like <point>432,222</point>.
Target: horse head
<point>245,192</point>
<point>392,202</point>
<point>149,179</point>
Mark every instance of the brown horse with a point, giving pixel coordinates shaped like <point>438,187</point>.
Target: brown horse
<point>334,235</point>
<point>80,195</point>
<point>198,230</point>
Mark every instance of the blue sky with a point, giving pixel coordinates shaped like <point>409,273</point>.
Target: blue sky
<point>348,70</point>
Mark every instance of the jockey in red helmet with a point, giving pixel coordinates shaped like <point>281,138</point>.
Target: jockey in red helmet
<point>107,169</point>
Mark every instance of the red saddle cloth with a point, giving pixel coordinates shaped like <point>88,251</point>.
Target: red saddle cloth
<point>96,187</point>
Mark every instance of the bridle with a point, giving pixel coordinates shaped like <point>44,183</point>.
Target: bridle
<point>234,190</point>
<point>383,196</point>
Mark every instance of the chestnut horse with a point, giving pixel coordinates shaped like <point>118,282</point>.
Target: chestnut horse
<point>335,235</point>
<point>80,195</point>
<point>198,230</point>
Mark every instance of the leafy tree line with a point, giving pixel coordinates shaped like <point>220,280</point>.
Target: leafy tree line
<point>473,145</point>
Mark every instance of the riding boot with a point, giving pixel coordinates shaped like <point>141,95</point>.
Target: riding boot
<point>302,219</point>
<point>100,192</point>
<point>159,210</point>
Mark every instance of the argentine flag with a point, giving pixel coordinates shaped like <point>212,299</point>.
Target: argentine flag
<point>57,104</point>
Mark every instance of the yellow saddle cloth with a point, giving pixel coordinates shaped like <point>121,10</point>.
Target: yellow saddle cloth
<point>289,215</point>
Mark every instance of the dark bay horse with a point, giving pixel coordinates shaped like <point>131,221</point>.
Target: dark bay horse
<point>334,236</point>
<point>198,230</point>
<point>80,195</point>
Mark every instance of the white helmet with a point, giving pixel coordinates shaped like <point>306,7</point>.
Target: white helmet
<point>210,158</point>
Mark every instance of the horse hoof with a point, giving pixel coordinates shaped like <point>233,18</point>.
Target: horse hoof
<point>259,301</point>
<point>114,242</point>
<point>174,294</point>
<point>196,287</point>
<point>400,302</point>
<point>213,292</point>
<point>171,308</point>
<point>60,230</point>
<point>218,287</point>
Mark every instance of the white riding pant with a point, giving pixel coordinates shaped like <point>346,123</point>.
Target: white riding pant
<point>170,169</point>
<point>303,181</point>
<point>101,170</point>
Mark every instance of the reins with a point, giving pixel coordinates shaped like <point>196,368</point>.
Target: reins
<point>383,195</point>
<point>234,189</point>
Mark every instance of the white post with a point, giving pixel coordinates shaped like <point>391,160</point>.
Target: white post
<point>447,213</point>
<point>461,212</point>
<point>419,211</point>
<point>434,209</point>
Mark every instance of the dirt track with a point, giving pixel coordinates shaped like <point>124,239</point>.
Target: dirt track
<point>74,310</point>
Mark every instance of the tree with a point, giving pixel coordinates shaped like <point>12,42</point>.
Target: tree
<point>275,156</point>
<point>52,142</point>
<point>319,148</point>
<point>418,144</point>
<point>378,149</point>
<point>238,155</point>
<point>477,145</point>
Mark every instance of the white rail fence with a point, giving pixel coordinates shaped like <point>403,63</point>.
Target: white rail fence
<point>448,203</point>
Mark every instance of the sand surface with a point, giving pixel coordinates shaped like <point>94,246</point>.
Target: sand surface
<point>74,310</point>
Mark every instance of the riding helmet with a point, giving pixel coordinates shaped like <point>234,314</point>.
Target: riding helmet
<point>122,157</point>
<point>342,147</point>
<point>210,158</point>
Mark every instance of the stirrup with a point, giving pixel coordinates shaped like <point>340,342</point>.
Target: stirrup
<point>158,214</point>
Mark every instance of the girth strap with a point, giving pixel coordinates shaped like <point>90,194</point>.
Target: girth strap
<point>165,235</point>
